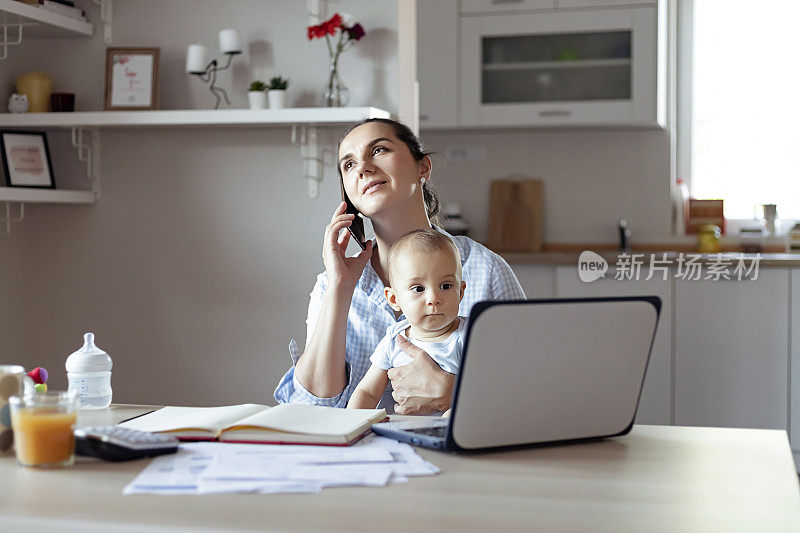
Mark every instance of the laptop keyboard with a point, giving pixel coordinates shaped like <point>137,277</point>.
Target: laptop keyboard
<point>439,431</point>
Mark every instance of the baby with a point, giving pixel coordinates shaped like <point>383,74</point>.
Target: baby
<point>425,277</point>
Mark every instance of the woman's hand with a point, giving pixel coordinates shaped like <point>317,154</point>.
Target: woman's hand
<point>420,387</point>
<point>342,271</point>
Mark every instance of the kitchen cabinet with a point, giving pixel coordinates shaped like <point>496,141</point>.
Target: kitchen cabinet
<point>488,6</point>
<point>437,63</point>
<point>566,63</point>
<point>794,392</point>
<point>601,67</point>
<point>538,281</point>
<point>656,401</point>
<point>731,351</point>
<point>565,4</point>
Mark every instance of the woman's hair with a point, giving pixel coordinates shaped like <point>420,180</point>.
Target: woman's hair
<point>404,133</point>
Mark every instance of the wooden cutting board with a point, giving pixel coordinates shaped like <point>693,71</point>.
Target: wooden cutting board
<point>515,215</point>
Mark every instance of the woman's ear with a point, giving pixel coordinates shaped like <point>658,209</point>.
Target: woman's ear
<point>426,168</point>
<point>391,297</point>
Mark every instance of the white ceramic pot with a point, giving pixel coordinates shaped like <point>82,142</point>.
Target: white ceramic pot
<point>257,99</point>
<point>277,99</point>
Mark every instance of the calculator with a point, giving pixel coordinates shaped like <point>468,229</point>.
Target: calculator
<point>113,443</point>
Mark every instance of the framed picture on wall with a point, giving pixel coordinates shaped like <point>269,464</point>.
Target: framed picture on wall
<point>131,79</point>
<point>26,159</point>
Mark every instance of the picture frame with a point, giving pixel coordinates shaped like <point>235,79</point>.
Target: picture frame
<point>26,159</point>
<point>132,79</point>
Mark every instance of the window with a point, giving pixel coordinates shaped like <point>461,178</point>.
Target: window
<point>739,104</point>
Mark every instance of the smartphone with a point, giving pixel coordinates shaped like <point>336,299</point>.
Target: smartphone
<point>356,229</point>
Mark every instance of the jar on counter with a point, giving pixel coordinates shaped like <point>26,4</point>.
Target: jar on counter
<point>793,240</point>
<point>751,240</point>
<point>708,239</point>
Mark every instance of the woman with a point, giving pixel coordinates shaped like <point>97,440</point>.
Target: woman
<point>386,176</point>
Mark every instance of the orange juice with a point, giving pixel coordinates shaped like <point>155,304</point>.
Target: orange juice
<point>43,436</point>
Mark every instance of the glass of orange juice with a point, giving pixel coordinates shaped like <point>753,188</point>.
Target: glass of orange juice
<point>43,426</point>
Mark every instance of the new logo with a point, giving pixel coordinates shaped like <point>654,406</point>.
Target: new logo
<point>591,266</point>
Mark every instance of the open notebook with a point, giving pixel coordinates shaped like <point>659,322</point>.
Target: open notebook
<point>283,424</point>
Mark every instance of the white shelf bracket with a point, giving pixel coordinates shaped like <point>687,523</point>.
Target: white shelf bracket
<point>5,43</point>
<point>8,220</point>
<point>107,18</point>
<point>88,152</point>
<point>311,156</point>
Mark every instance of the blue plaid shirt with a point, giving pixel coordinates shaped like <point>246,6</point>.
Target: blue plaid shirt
<point>487,275</point>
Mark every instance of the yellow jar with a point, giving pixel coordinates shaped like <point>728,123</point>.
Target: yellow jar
<point>708,239</point>
<point>38,88</point>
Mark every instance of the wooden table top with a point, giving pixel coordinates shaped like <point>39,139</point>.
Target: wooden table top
<point>657,478</point>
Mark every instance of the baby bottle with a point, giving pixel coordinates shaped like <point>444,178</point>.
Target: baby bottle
<point>89,373</point>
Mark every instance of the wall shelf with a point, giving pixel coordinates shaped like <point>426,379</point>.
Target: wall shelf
<point>306,116</point>
<point>41,23</point>
<point>50,196</point>
<point>306,119</point>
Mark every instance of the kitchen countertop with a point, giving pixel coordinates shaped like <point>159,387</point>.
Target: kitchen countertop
<point>672,257</point>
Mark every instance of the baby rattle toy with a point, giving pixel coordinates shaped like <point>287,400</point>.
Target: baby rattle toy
<point>39,377</point>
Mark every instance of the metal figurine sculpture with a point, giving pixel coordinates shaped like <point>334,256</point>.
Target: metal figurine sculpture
<point>210,76</point>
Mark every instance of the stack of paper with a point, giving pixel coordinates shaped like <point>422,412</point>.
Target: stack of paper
<point>208,467</point>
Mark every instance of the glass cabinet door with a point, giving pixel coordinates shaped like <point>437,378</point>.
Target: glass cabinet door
<point>556,67</point>
<point>594,67</point>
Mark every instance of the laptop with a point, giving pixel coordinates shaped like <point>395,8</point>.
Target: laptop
<point>543,372</point>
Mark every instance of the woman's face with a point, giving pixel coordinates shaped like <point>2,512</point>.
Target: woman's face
<point>378,169</point>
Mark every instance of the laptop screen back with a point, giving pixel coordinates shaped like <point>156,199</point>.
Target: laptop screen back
<point>541,371</point>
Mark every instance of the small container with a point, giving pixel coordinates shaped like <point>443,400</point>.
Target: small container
<point>752,240</point>
<point>708,239</point>
<point>793,240</point>
<point>453,221</point>
<point>89,373</point>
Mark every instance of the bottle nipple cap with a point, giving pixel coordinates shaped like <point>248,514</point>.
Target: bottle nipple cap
<point>88,342</point>
<point>89,358</point>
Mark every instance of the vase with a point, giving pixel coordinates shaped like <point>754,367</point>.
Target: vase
<point>336,94</point>
<point>37,86</point>
<point>257,99</point>
<point>277,98</point>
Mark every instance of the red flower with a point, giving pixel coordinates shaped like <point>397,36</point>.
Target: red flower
<point>356,32</point>
<point>328,27</point>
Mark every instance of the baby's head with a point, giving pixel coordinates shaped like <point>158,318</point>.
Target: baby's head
<point>425,277</point>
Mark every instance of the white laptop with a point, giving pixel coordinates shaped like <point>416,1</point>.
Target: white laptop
<point>543,371</point>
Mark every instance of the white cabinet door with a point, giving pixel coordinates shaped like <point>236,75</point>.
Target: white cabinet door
<point>566,4</point>
<point>655,404</point>
<point>486,6</point>
<point>437,63</point>
<point>538,281</point>
<point>572,68</point>
<point>731,351</point>
<point>794,392</point>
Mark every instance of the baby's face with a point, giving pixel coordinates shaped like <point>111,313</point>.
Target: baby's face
<point>427,289</point>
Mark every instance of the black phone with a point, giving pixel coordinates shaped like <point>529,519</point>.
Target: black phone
<point>356,229</point>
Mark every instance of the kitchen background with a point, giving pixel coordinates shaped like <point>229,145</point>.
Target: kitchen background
<point>193,268</point>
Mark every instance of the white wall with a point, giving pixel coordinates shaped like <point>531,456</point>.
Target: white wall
<point>591,179</point>
<point>194,267</point>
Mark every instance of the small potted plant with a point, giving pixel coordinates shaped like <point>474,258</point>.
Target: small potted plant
<point>277,92</point>
<point>257,95</point>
